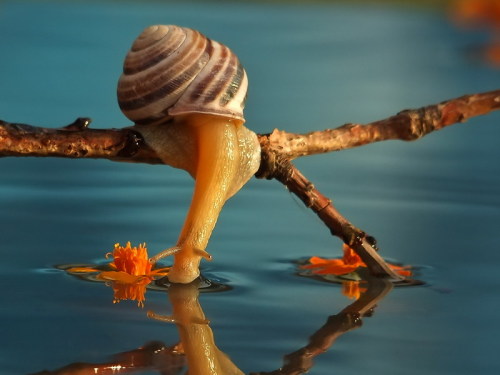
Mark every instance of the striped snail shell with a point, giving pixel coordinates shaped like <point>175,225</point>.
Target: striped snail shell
<point>172,70</point>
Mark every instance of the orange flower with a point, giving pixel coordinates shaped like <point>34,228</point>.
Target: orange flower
<point>129,273</point>
<point>132,260</point>
<point>130,265</point>
<point>347,264</point>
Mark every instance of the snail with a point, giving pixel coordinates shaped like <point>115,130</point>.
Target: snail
<point>186,94</point>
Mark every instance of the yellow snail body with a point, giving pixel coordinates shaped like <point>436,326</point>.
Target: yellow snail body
<point>186,94</point>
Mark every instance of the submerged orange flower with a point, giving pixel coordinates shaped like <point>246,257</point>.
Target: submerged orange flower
<point>347,264</point>
<point>130,272</point>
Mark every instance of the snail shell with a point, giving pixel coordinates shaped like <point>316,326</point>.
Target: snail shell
<point>172,70</point>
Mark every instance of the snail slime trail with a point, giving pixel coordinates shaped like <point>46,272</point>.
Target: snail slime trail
<point>186,94</point>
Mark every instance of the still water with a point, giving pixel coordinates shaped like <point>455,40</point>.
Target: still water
<point>433,203</point>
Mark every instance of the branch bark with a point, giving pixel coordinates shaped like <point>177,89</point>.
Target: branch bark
<point>75,140</point>
<point>407,125</point>
<point>279,148</point>
<point>364,245</point>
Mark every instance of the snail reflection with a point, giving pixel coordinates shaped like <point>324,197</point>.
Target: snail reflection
<point>202,354</point>
<point>186,94</point>
<point>197,353</point>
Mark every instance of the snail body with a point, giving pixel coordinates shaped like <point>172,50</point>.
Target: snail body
<point>186,94</point>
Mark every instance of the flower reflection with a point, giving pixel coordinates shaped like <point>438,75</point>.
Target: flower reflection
<point>129,273</point>
<point>352,289</point>
<point>133,292</point>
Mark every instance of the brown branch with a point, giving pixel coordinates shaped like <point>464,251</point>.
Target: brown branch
<point>278,149</point>
<point>407,125</point>
<point>125,144</point>
<point>364,245</point>
<point>76,140</point>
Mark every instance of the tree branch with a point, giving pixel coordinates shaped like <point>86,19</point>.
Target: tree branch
<point>407,125</point>
<point>77,140</point>
<point>364,245</point>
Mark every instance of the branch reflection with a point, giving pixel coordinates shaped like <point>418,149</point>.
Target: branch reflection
<point>197,352</point>
<point>350,318</point>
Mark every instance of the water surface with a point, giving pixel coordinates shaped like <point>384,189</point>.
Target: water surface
<point>432,203</point>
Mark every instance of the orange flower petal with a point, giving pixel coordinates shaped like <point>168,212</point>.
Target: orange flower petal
<point>336,270</point>
<point>160,271</point>
<point>122,277</point>
<point>352,290</point>
<point>82,270</point>
<point>403,271</point>
<point>317,260</point>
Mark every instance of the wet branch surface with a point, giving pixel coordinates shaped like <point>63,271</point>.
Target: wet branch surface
<point>279,148</point>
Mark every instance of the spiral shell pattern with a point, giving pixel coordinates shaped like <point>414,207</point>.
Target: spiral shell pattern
<point>172,70</point>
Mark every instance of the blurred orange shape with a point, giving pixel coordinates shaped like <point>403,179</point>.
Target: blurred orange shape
<point>480,13</point>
